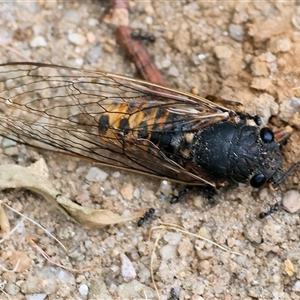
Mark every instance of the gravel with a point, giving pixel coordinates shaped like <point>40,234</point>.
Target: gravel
<point>244,51</point>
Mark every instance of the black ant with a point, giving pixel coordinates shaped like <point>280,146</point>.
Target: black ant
<point>173,294</point>
<point>139,35</point>
<point>273,208</point>
<point>149,213</point>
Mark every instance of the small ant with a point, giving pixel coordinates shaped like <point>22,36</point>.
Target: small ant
<point>273,208</point>
<point>149,213</point>
<point>173,294</point>
<point>139,35</point>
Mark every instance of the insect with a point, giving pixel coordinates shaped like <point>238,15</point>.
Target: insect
<point>138,126</point>
<point>139,35</point>
<point>272,209</point>
<point>173,294</point>
<point>148,214</point>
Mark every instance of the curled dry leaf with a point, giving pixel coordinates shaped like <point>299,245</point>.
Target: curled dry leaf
<point>13,176</point>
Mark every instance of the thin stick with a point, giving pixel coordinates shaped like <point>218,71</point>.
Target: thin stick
<point>6,47</point>
<point>48,258</point>
<point>37,224</point>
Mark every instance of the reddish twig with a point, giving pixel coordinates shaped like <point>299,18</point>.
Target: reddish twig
<point>136,51</point>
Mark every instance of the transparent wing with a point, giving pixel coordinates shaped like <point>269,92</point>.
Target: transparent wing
<point>59,108</point>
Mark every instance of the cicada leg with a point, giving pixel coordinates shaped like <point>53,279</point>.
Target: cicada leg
<point>283,134</point>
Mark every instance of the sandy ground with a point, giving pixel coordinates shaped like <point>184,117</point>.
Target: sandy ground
<point>242,51</point>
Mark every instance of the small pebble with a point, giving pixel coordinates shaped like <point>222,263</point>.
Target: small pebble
<point>137,193</point>
<point>223,51</point>
<point>173,71</point>
<point>236,32</point>
<point>166,63</point>
<point>93,22</point>
<point>38,41</point>
<point>172,238</point>
<point>282,45</point>
<point>296,287</point>
<point>252,232</point>
<point>127,270</point>
<point>288,108</point>
<point>36,297</point>
<point>95,174</point>
<point>270,57</point>
<point>168,252</point>
<point>289,267</point>
<point>185,248</point>
<point>166,188</point>
<point>291,201</point>
<point>12,289</point>
<point>11,151</point>
<point>77,39</point>
<point>144,274</point>
<point>83,290</point>
<point>6,143</point>
<point>127,191</point>
<point>116,174</point>
<point>261,83</point>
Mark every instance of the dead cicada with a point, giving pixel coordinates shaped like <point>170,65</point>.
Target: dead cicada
<point>138,126</point>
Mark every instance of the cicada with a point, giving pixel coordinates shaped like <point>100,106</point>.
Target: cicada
<point>137,126</point>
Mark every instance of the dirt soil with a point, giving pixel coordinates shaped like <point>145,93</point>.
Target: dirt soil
<point>247,51</point>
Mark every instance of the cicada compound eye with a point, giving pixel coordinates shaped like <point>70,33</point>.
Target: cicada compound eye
<point>267,135</point>
<point>257,180</point>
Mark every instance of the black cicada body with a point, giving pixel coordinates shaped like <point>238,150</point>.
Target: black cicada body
<point>137,126</point>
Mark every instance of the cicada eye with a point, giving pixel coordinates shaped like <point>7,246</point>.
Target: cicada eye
<point>267,135</point>
<point>258,180</point>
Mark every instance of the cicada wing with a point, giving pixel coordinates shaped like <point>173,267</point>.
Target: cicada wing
<point>59,108</point>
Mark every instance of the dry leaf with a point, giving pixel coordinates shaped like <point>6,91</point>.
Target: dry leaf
<point>13,176</point>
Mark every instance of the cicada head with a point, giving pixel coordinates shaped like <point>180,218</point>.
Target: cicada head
<point>258,157</point>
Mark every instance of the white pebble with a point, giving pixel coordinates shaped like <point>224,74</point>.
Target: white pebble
<point>166,63</point>
<point>127,269</point>
<point>168,252</point>
<point>149,20</point>
<point>93,22</point>
<point>172,238</point>
<point>166,188</point>
<point>116,174</point>
<point>77,39</point>
<point>38,41</point>
<point>136,193</point>
<point>173,71</point>
<point>291,201</point>
<point>296,287</point>
<point>95,174</point>
<point>36,297</point>
<point>83,290</point>
<point>202,56</point>
<point>6,143</point>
